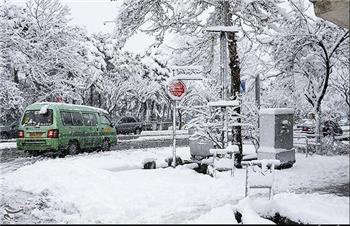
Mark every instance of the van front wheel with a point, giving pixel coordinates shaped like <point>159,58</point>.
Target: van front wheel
<point>106,146</point>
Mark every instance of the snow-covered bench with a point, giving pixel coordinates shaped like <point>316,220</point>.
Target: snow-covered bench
<point>225,162</point>
<point>263,174</point>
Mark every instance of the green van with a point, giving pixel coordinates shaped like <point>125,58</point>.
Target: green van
<point>64,129</point>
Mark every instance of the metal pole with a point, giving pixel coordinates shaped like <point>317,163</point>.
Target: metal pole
<point>246,181</point>
<point>223,45</point>
<point>226,128</point>
<point>257,91</point>
<point>174,135</point>
<point>222,63</point>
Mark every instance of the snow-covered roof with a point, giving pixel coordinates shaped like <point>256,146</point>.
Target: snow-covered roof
<point>276,111</point>
<point>223,103</point>
<point>72,106</point>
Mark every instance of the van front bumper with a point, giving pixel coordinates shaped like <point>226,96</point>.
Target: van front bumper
<point>42,144</point>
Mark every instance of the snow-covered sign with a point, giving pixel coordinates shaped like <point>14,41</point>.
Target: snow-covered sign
<point>176,89</point>
<point>222,28</point>
<point>199,68</point>
<point>223,103</point>
<point>274,111</point>
<point>186,77</point>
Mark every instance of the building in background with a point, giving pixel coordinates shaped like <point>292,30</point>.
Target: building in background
<point>336,11</point>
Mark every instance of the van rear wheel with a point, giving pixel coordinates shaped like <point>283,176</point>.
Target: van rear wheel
<point>106,146</point>
<point>138,131</point>
<point>73,148</point>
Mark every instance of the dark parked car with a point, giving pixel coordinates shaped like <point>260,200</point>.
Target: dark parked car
<point>327,128</point>
<point>305,125</point>
<point>129,125</point>
<point>9,131</point>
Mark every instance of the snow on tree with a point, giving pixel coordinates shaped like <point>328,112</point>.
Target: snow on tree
<point>340,85</point>
<point>11,100</point>
<point>208,123</point>
<point>309,49</point>
<point>190,19</point>
<point>42,48</point>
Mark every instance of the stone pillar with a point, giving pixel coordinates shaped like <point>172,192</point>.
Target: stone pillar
<point>276,135</point>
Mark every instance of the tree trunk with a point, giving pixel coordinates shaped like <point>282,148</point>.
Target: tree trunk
<point>91,95</point>
<point>318,127</point>
<point>99,100</point>
<point>15,76</point>
<point>144,111</point>
<point>235,81</point>
<point>147,111</point>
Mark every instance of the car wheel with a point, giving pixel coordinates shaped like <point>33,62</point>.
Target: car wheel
<point>4,136</point>
<point>106,146</point>
<point>73,148</point>
<point>137,131</point>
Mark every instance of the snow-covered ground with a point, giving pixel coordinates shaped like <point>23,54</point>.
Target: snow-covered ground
<point>4,145</point>
<point>112,187</point>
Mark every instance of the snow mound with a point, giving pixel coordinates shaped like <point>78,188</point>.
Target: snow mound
<point>306,208</point>
<point>219,215</point>
<point>249,215</point>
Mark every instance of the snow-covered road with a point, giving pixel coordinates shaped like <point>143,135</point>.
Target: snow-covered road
<point>111,187</point>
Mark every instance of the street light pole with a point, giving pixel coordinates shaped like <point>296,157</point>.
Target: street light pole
<point>223,71</point>
<point>174,135</point>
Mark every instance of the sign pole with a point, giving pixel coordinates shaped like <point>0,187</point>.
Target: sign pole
<point>174,135</point>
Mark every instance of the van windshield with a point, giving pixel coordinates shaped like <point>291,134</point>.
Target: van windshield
<point>34,118</point>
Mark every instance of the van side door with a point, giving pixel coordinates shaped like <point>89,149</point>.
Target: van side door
<point>96,137</point>
<point>89,130</point>
<point>66,131</point>
<point>77,129</point>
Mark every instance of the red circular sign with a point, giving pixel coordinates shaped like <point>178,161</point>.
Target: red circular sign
<point>177,89</point>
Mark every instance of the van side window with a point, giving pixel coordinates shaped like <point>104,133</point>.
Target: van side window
<point>86,118</point>
<point>93,119</point>
<point>77,119</point>
<point>89,119</point>
<point>131,120</point>
<point>66,118</point>
<point>105,120</point>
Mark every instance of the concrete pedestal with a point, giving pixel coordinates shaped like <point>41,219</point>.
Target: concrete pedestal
<point>276,136</point>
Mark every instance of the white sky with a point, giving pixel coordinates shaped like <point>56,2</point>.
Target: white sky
<point>92,14</point>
